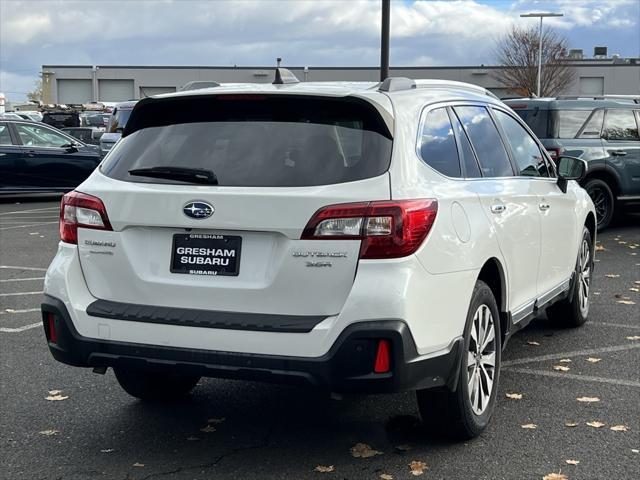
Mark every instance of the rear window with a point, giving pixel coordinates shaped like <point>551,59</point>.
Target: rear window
<point>255,141</point>
<point>537,119</point>
<point>61,119</point>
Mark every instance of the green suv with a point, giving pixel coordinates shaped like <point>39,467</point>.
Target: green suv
<point>602,131</point>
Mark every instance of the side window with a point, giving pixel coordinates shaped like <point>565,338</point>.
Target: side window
<point>438,144</point>
<point>5,137</point>
<point>486,141</point>
<point>35,136</point>
<point>594,126</point>
<point>620,125</point>
<point>526,152</point>
<point>471,168</point>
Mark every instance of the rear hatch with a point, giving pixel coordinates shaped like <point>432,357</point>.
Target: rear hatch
<point>230,239</point>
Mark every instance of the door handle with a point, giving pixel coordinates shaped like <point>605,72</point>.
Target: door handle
<point>498,208</point>
<point>618,153</point>
<point>544,207</point>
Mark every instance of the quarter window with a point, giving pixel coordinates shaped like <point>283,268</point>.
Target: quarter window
<point>620,125</point>
<point>438,144</point>
<point>486,141</point>
<point>526,152</point>
<point>35,136</point>
<point>594,125</point>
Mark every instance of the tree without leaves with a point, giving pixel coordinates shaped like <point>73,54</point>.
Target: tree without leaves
<point>517,52</point>
<point>35,95</point>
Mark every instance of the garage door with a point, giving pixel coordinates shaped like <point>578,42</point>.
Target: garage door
<point>591,85</point>
<point>150,91</point>
<point>115,90</point>
<point>74,91</point>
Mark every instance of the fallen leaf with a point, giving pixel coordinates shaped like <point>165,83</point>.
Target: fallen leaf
<point>593,359</point>
<point>192,438</point>
<point>208,429</point>
<point>635,450</point>
<point>555,476</point>
<point>571,424</point>
<point>55,392</point>
<point>634,289</point>
<point>565,360</point>
<point>595,424</point>
<point>529,426</point>
<point>611,275</point>
<point>596,293</point>
<point>619,428</point>
<point>216,421</point>
<point>402,448</point>
<point>362,450</point>
<point>600,248</point>
<point>618,295</point>
<point>561,368</point>
<point>323,469</point>
<point>55,398</point>
<point>622,242</point>
<point>626,302</point>
<point>572,462</point>
<point>637,282</point>
<point>588,399</point>
<point>34,233</point>
<point>49,433</point>
<point>417,467</point>
<point>633,337</point>
<point>514,396</point>
<point>138,464</point>
<point>535,344</point>
<point>107,450</point>
<point>386,476</point>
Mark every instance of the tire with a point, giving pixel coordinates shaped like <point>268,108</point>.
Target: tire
<point>154,386</point>
<point>603,199</point>
<point>574,310</point>
<point>458,414</point>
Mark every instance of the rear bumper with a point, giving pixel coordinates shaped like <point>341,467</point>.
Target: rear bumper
<point>346,367</point>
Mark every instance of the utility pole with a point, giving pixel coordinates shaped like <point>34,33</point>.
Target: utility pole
<point>384,40</point>
<point>541,16</point>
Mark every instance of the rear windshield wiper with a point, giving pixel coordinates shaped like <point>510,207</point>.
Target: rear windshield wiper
<point>191,175</point>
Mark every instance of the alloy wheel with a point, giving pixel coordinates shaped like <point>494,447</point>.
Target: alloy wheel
<point>481,360</point>
<point>600,202</point>
<point>584,277</point>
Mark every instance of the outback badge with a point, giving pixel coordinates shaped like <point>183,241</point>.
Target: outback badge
<point>198,210</point>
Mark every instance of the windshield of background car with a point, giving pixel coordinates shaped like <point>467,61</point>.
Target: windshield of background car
<point>119,120</point>
<point>257,140</point>
<point>61,119</point>
<point>93,120</point>
<point>537,119</point>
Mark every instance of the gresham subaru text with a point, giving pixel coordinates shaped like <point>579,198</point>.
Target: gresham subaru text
<point>356,237</point>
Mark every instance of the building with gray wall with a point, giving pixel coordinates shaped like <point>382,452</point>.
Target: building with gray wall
<point>86,83</point>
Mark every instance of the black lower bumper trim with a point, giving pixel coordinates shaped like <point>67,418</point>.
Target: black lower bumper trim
<point>346,367</point>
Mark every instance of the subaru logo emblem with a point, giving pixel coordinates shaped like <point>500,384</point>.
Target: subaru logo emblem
<point>198,210</point>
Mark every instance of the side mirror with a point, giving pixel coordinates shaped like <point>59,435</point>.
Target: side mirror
<point>570,168</point>
<point>70,147</point>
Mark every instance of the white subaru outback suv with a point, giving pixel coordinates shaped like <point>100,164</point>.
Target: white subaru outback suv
<point>355,237</point>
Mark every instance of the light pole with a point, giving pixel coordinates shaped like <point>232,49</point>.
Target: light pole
<point>384,40</point>
<point>541,16</point>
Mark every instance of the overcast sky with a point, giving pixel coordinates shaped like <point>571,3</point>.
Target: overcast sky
<point>314,32</point>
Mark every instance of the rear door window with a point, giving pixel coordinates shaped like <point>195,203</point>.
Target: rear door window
<point>620,125</point>
<point>36,136</point>
<point>255,140</point>
<point>569,122</point>
<point>486,141</point>
<point>438,143</point>
<point>525,150</point>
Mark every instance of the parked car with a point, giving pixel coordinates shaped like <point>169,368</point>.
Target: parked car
<point>87,135</point>
<point>95,120</point>
<point>349,236</point>
<point>117,123</point>
<point>10,116</point>
<point>30,115</point>
<point>604,132</point>
<point>35,157</point>
<point>61,118</point>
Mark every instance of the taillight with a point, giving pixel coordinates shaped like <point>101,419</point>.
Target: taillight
<point>81,210</point>
<point>388,229</point>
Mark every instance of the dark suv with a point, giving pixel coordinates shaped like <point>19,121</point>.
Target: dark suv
<point>604,132</point>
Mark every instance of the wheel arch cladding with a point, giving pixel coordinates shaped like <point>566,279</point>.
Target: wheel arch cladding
<point>493,275</point>
<point>590,223</point>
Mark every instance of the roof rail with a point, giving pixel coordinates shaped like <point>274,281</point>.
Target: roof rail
<point>628,98</point>
<point>395,84</point>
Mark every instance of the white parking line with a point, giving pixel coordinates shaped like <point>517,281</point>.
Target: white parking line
<point>29,211</point>
<point>25,310</point>
<point>11,267</point>
<point>17,294</point>
<point>20,329</point>
<point>575,353</point>
<point>29,225</point>
<point>583,378</point>
<point>618,325</point>
<point>8,280</point>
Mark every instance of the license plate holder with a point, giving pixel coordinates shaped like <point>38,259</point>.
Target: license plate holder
<point>206,254</point>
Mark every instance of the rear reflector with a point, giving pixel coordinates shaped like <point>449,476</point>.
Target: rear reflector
<point>81,210</point>
<point>51,320</point>
<point>383,357</point>
<point>388,229</point>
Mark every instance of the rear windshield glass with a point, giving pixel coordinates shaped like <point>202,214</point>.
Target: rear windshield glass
<point>61,120</point>
<point>256,141</point>
<point>537,119</point>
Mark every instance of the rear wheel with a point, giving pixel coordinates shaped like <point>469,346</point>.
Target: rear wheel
<point>574,310</point>
<point>154,386</point>
<point>465,412</point>
<point>603,200</point>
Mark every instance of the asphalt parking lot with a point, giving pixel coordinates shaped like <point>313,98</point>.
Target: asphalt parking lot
<point>233,429</point>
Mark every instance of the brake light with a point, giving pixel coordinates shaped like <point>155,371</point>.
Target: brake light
<point>81,210</point>
<point>387,229</point>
